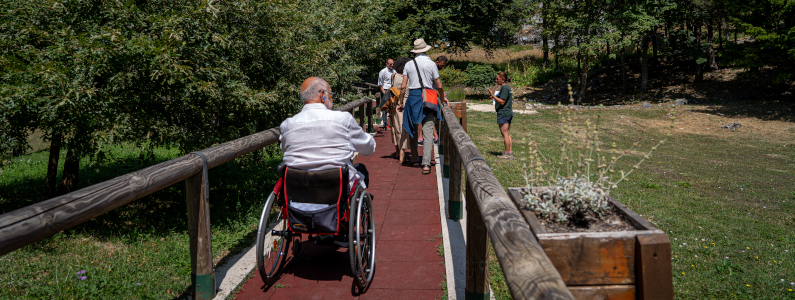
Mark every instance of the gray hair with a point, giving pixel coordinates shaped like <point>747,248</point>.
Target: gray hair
<point>312,90</point>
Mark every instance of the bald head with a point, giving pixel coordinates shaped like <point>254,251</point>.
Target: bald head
<point>311,89</point>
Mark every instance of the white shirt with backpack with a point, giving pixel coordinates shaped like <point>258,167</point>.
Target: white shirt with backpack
<point>429,72</point>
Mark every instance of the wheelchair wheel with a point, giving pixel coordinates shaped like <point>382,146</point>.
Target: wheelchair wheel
<point>361,237</point>
<point>273,241</point>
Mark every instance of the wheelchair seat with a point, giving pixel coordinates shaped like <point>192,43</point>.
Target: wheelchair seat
<point>316,201</point>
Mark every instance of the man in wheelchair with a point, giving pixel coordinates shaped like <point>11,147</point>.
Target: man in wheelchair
<point>320,192</point>
<point>318,144</point>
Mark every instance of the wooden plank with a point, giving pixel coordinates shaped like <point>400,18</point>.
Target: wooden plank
<point>351,105</point>
<point>528,272</point>
<point>200,237</point>
<point>35,222</point>
<point>590,259</point>
<point>636,220</point>
<point>527,213</point>
<point>654,274</point>
<point>477,243</point>
<point>456,108</point>
<point>603,292</point>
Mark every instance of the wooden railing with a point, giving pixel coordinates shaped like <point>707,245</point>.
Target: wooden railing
<point>30,224</point>
<point>492,215</point>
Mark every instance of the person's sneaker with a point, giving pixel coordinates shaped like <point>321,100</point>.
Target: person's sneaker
<point>506,155</point>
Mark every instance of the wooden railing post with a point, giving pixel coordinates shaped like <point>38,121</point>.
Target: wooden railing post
<point>444,148</point>
<point>201,251</point>
<point>454,204</point>
<point>370,116</point>
<point>477,264</point>
<point>464,115</point>
<point>361,115</point>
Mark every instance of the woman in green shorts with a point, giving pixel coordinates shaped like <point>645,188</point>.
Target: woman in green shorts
<point>503,100</point>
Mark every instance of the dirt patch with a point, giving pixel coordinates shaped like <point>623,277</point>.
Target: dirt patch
<point>610,221</point>
<point>490,108</point>
<point>689,121</point>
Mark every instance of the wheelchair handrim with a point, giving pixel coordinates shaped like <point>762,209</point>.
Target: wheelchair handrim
<point>264,221</point>
<point>371,241</point>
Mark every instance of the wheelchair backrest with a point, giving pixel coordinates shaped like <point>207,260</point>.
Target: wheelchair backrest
<point>319,187</point>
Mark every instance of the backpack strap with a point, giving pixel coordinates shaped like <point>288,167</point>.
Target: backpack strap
<point>418,73</point>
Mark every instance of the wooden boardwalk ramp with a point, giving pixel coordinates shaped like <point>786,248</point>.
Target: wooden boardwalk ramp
<point>408,228</point>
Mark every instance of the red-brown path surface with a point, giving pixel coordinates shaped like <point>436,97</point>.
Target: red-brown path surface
<point>408,226</point>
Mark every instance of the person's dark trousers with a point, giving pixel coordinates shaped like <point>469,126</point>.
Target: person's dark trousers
<point>362,169</point>
<point>384,99</point>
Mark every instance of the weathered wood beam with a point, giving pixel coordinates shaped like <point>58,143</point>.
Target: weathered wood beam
<point>30,224</point>
<point>528,272</point>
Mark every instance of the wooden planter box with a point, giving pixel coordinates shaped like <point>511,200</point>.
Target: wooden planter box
<point>608,265</point>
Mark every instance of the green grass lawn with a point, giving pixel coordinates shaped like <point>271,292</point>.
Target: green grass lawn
<point>725,198</point>
<point>138,251</point>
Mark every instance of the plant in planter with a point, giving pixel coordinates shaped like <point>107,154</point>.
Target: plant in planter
<point>576,184</point>
<point>600,248</point>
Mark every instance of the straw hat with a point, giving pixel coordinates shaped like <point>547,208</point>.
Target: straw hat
<point>420,46</point>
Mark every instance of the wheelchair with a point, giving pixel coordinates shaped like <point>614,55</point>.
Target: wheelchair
<point>316,203</point>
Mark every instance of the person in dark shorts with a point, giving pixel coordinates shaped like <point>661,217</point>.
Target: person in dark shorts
<point>503,101</point>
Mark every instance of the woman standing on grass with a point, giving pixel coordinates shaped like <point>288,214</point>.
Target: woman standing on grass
<point>503,100</point>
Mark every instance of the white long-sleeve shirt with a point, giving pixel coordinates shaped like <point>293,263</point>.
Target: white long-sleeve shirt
<point>318,139</point>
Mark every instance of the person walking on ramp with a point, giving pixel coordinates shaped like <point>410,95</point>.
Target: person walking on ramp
<point>422,106</point>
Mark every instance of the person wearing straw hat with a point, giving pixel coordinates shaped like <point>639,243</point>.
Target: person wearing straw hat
<point>418,74</point>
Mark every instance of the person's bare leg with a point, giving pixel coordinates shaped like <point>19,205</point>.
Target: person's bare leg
<point>505,129</point>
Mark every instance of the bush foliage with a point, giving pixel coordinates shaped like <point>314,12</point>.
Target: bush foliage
<point>480,75</point>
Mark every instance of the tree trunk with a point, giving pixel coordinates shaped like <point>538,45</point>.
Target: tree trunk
<point>712,64</point>
<point>699,67</point>
<point>51,181</point>
<point>583,80</point>
<point>720,33</point>
<point>71,172</point>
<point>545,46</point>
<point>644,64</point>
<point>623,72</point>
<point>71,166</point>
<point>654,44</point>
<point>608,60</point>
<point>735,34</point>
<point>557,54</point>
<point>544,43</point>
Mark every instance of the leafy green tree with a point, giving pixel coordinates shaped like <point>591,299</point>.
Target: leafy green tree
<point>462,24</point>
<point>185,73</point>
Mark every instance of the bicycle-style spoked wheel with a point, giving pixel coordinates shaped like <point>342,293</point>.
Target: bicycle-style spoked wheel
<point>362,240</point>
<point>273,241</point>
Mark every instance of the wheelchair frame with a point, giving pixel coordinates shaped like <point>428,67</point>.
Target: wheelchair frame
<point>274,237</point>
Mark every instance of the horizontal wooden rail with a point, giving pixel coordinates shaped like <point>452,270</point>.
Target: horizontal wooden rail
<point>354,104</point>
<point>528,271</point>
<point>30,224</point>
